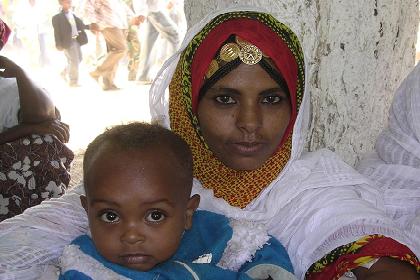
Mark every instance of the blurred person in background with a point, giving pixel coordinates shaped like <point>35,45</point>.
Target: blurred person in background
<point>69,35</point>
<point>133,43</point>
<point>158,23</point>
<point>110,18</point>
<point>32,19</point>
<point>176,13</point>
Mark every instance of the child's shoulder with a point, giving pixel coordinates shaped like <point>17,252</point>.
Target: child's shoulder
<point>207,215</point>
<point>82,239</point>
<point>206,223</point>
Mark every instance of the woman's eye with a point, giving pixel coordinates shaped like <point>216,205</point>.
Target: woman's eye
<point>155,216</point>
<point>272,99</point>
<point>224,99</point>
<point>110,217</point>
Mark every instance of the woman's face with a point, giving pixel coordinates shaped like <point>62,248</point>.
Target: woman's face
<point>243,117</point>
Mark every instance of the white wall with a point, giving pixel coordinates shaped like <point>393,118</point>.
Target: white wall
<point>359,52</point>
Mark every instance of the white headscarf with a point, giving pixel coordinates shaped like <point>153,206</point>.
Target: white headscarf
<point>395,167</point>
<point>316,204</point>
<point>400,142</point>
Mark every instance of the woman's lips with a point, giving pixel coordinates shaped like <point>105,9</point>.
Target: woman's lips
<point>247,148</point>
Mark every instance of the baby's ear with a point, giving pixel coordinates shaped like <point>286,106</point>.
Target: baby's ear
<point>192,205</point>
<point>84,202</point>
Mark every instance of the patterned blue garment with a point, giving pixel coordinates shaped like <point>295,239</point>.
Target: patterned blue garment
<point>197,257</point>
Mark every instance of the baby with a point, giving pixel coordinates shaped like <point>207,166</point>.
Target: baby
<point>138,180</point>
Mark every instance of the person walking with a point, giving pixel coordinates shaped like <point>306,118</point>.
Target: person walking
<point>133,44</point>
<point>158,23</point>
<point>110,18</point>
<point>69,35</point>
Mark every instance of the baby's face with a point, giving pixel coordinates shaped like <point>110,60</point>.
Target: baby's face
<point>137,207</point>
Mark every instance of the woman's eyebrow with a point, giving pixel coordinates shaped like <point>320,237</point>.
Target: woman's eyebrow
<point>272,90</point>
<point>224,90</point>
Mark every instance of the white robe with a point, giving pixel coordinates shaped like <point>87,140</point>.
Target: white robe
<point>395,166</point>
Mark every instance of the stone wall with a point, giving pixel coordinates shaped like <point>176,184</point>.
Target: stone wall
<point>359,51</point>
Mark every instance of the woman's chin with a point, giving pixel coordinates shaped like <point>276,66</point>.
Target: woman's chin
<point>244,164</point>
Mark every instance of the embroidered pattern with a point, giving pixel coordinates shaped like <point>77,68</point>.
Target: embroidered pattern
<point>33,169</point>
<point>355,254</point>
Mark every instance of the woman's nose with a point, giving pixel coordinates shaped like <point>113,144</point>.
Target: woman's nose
<point>249,118</point>
<point>132,234</point>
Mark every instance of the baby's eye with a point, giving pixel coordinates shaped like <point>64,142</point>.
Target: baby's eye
<point>110,217</point>
<point>225,99</point>
<point>155,216</point>
<point>272,99</point>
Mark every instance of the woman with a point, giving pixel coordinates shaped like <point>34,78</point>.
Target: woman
<point>237,97</point>
<point>34,162</point>
<point>395,166</point>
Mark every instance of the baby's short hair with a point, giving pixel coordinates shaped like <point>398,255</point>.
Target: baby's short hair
<point>139,136</point>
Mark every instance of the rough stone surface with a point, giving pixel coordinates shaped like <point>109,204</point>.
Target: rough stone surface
<point>358,51</point>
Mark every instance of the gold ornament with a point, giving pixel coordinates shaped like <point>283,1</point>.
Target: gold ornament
<point>250,54</point>
<point>229,52</point>
<point>247,53</point>
<point>213,67</point>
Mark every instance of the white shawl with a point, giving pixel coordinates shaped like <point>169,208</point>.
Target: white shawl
<point>315,205</point>
<point>395,167</point>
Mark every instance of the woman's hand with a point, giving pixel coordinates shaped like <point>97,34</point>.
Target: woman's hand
<point>387,269</point>
<point>55,127</point>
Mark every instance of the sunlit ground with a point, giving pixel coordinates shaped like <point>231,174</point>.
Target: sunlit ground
<point>89,110</point>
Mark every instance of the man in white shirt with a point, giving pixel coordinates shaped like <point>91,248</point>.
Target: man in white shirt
<point>111,18</point>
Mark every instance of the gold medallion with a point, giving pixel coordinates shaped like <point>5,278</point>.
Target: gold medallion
<point>250,54</point>
<point>229,52</point>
